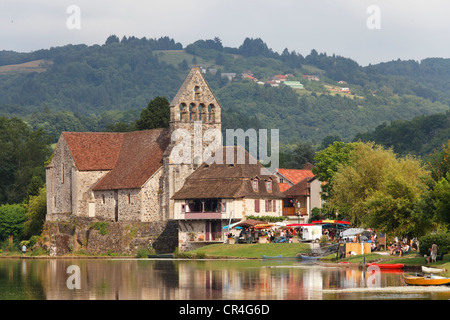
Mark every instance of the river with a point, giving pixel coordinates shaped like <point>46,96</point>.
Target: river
<point>161,279</point>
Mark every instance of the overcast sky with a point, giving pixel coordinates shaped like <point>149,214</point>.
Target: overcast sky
<point>366,31</point>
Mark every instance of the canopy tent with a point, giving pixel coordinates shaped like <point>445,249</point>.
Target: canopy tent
<point>331,222</point>
<point>352,232</point>
<point>264,225</point>
<point>230,226</point>
<point>249,223</point>
<point>293,225</point>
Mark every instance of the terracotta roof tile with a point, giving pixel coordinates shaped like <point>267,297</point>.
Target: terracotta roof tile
<point>94,150</point>
<point>283,186</point>
<point>140,157</point>
<point>295,175</point>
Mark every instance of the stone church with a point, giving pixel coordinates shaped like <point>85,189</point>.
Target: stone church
<point>130,182</point>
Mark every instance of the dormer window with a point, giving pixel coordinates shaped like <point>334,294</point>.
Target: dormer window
<point>269,184</point>
<point>255,184</point>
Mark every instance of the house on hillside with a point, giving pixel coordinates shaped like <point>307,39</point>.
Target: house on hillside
<point>294,84</point>
<point>311,77</point>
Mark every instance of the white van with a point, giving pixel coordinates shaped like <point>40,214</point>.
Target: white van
<point>312,233</point>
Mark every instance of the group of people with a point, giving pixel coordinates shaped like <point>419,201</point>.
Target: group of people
<point>251,234</point>
<point>400,248</point>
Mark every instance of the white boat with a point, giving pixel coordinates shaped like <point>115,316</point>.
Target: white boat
<point>431,270</point>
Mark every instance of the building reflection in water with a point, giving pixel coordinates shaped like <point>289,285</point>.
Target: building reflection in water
<point>183,280</point>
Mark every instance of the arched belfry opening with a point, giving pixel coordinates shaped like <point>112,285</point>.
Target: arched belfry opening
<point>195,101</point>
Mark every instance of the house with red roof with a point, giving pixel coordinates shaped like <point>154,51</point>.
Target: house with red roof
<point>302,192</point>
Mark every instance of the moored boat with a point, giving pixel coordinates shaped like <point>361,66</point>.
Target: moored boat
<point>425,281</point>
<point>277,257</point>
<point>387,265</point>
<point>305,257</point>
<point>160,256</point>
<point>431,270</point>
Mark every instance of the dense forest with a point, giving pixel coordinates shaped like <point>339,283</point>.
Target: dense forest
<point>88,88</point>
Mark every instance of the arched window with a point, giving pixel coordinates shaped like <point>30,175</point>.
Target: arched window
<point>197,91</point>
<point>180,111</point>
<point>185,114</point>
<point>194,112</point>
<point>203,112</point>
<point>212,113</point>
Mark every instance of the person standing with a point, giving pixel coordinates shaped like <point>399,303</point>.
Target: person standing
<point>433,253</point>
<point>24,250</point>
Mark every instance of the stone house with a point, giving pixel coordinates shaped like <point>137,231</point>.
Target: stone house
<point>218,194</point>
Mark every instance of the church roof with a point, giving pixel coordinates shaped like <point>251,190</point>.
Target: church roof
<point>186,93</point>
<point>224,180</point>
<point>140,156</point>
<point>93,151</point>
<point>131,157</point>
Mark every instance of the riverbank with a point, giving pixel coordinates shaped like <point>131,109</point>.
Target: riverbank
<point>253,251</point>
<point>411,261</point>
<point>257,251</point>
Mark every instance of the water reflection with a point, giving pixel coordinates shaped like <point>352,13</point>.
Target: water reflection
<point>198,280</point>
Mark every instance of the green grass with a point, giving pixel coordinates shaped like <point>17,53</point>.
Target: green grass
<point>175,57</point>
<point>253,250</point>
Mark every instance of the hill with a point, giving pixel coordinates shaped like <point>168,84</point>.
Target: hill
<point>87,88</point>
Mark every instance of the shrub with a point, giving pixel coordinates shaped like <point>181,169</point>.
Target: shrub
<point>442,240</point>
<point>102,227</point>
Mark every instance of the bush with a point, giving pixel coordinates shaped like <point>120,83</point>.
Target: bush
<point>102,227</point>
<point>442,240</point>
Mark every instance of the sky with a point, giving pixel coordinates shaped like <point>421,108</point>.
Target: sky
<point>367,31</point>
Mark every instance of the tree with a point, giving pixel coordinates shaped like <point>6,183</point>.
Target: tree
<point>302,154</point>
<point>442,199</point>
<point>328,161</point>
<point>35,214</point>
<point>12,218</point>
<point>377,190</point>
<point>23,153</point>
<point>156,115</point>
<point>439,163</point>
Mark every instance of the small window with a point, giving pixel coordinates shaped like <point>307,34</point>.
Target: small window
<point>269,185</point>
<point>129,197</point>
<point>255,184</point>
<point>103,199</point>
<point>281,180</point>
<point>183,208</point>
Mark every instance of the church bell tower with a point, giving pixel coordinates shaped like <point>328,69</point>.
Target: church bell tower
<point>193,110</point>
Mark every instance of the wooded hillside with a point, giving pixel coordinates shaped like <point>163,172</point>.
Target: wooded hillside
<point>88,88</point>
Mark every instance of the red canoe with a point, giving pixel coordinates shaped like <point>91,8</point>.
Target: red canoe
<point>387,265</point>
